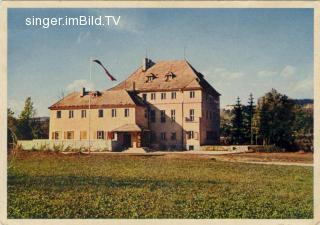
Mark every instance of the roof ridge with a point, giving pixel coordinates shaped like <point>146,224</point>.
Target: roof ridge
<point>63,98</point>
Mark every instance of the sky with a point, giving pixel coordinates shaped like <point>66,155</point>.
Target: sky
<point>239,51</point>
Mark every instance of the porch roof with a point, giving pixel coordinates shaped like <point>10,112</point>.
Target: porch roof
<point>129,128</point>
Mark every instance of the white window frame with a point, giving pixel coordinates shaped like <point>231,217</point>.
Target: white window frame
<point>100,135</point>
<point>191,114</point>
<point>126,112</point>
<point>83,113</point>
<point>100,110</point>
<point>173,115</point>
<point>113,112</point>
<point>173,95</point>
<point>71,114</point>
<point>192,94</point>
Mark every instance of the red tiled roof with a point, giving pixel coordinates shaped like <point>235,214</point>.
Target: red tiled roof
<point>116,98</point>
<point>184,77</point>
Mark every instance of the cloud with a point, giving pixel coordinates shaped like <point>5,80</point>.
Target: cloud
<point>266,73</point>
<point>82,36</point>
<point>288,71</point>
<point>304,85</point>
<point>226,74</point>
<point>128,25</point>
<point>77,85</point>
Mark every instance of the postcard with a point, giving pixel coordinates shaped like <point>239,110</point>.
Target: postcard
<point>122,112</point>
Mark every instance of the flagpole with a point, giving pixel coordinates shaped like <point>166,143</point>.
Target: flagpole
<point>90,105</point>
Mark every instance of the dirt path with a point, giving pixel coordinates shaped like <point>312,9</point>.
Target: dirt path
<point>268,163</point>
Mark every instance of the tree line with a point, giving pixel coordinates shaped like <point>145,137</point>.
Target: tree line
<point>274,120</point>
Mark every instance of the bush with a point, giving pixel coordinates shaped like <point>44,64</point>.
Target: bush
<point>266,148</point>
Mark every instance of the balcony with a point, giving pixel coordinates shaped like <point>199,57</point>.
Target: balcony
<point>192,120</point>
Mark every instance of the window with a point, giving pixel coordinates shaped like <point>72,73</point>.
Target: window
<point>70,135</point>
<point>145,113</point>
<point>113,112</point>
<point>70,113</point>
<point>173,95</point>
<point>173,136</point>
<point>83,113</point>
<point>144,97</point>
<point>173,115</point>
<point>191,114</point>
<point>192,94</point>
<point>191,147</point>
<point>169,76</point>
<point>207,113</point>
<point>162,116</point>
<point>126,112</point>
<point>100,113</point>
<point>58,114</point>
<point>153,137</point>
<point>153,116</point>
<point>153,96</point>
<point>163,95</point>
<point>151,77</point>
<point>55,135</point>
<point>163,136</point>
<point>100,134</point>
<point>83,135</point>
<point>190,134</point>
<point>211,115</point>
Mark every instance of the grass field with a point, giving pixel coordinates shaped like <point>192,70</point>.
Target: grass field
<point>48,185</point>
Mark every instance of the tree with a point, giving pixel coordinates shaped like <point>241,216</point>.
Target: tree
<point>273,119</point>
<point>248,119</point>
<point>24,128</point>
<point>237,130</point>
<point>225,127</point>
<point>302,128</point>
<point>12,128</point>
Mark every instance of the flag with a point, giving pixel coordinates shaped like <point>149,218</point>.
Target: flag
<point>107,72</point>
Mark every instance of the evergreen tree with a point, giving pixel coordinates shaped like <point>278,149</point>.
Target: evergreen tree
<point>248,120</point>
<point>237,130</point>
<point>24,128</point>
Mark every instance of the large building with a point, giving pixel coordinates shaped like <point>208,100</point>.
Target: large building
<point>162,105</point>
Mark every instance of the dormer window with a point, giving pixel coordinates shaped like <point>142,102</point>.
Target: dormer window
<point>170,76</point>
<point>151,77</point>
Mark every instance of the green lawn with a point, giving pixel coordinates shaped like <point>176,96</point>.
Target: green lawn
<point>43,185</point>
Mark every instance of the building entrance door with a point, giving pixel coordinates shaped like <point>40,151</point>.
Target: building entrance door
<point>127,140</point>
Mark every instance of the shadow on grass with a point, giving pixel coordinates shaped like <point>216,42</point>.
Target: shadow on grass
<point>72,181</point>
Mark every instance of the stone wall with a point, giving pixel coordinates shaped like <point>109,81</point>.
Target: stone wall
<point>67,145</point>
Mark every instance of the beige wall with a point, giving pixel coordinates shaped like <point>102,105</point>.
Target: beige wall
<point>77,124</point>
<point>182,105</point>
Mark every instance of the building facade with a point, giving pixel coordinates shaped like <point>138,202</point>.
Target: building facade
<point>163,105</point>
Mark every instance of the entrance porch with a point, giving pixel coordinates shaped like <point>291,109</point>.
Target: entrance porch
<point>132,136</point>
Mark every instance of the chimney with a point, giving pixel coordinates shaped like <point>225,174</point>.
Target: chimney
<point>83,91</point>
<point>145,64</point>
<point>134,86</point>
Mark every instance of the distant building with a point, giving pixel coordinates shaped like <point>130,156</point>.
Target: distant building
<point>163,105</point>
